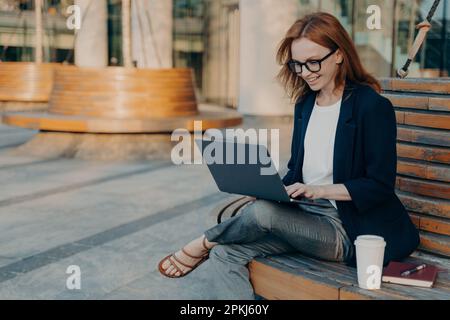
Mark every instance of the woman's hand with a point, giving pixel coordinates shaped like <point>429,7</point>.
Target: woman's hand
<point>308,191</point>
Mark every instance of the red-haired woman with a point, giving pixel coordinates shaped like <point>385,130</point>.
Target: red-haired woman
<point>343,153</point>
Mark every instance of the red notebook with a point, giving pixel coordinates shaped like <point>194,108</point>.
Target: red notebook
<point>422,278</point>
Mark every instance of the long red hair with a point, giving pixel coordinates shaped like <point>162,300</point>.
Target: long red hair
<point>325,30</point>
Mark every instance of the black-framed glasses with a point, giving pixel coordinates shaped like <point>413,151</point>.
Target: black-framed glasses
<point>312,65</point>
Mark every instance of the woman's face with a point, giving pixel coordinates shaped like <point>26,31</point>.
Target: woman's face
<point>304,50</point>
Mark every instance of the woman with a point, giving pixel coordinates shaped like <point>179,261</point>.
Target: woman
<point>343,152</point>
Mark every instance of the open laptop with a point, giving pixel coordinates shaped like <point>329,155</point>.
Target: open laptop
<point>245,177</point>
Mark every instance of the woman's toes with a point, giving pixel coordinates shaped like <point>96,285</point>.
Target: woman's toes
<point>173,272</point>
<point>170,266</point>
<point>177,274</point>
<point>169,270</point>
<point>166,264</point>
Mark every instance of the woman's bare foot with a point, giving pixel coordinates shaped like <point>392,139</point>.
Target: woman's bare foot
<point>195,248</point>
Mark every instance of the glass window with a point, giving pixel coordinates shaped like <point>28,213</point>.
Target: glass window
<point>115,54</point>
<point>188,36</point>
<point>17,31</point>
<point>384,51</point>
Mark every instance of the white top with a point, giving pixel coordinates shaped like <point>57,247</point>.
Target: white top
<point>319,145</point>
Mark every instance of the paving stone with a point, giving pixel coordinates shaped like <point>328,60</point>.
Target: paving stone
<point>113,219</point>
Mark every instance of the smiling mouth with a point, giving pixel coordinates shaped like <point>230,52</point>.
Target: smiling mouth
<point>312,79</point>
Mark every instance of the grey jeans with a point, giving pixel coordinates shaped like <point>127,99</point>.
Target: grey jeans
<point>264,228</point>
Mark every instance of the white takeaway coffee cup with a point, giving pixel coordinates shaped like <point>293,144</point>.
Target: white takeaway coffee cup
<point>369,260</point>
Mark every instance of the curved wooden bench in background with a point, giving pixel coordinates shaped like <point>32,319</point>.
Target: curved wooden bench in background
<point>124,93</point>
<point>116,113</point>
<point>25,85</point>
<point>122,100</point>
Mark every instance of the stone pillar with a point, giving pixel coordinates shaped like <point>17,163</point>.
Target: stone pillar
<point>263,25</point>
<point>39,32</point>
<point>152,25</point>
<point>91,45</point>
<point>213,64</point>
<point>126,34</point>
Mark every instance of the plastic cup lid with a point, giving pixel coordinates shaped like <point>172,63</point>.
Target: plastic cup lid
<point>370,240</point>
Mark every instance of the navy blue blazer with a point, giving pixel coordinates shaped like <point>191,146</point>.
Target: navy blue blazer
<point>365,161</point>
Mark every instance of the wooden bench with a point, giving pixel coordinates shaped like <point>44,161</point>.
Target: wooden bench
<point>122,101</point>
<point>117,113</point>
<point>25,86</point>
<point>422,108</point>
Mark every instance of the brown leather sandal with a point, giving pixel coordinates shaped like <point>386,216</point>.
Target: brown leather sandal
<point>172,257</point>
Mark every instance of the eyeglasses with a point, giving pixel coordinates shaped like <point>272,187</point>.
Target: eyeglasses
<point>312,65</point>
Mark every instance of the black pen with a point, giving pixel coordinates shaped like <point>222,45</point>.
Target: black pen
<point>408,272</point>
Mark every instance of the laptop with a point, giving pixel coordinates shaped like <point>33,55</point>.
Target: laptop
<point>240,173</point>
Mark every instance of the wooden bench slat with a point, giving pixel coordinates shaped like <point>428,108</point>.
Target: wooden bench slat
<point>424,187</point>
<point>418,101</point>
<point>402,101</point>
<point>437,121</point>
<point>431,224</point>
<point>425,205</point>
<point>415,218</point>
<point>354,293</point>
<point>425,136</point>
<point>434,85</point>
<point>435,243</point>
<point>275,282</point>
<point>439,104</point>
<point>14,106</point>
<point>297,261</point>
<point>432,154</point>
<point>424,170</point>
<point>395,291</point>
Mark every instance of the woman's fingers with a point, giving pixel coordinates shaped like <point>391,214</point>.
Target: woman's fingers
<point>293,187</point>
<point>291,190</point>
<point>288,189</point>
<point>308,195</point>
<point>298,192</point>
<point>300,189</point>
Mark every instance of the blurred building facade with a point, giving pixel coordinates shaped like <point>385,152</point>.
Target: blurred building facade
<point>230,44</point>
